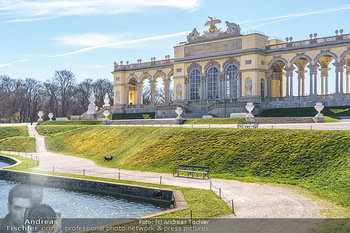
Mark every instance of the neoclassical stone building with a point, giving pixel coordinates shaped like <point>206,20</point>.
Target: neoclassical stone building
<point>219,71</point>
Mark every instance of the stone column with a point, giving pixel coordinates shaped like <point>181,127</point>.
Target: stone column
<point>313,81</point>
<point>289,79</point>
<point>127,95</point>
<point>139,95</point>
<point>301,83</point>
<point>166,91</point>
<point>339,71</point>
<point>347,68</point>
<point>187,85</point>
<point>268,78</point>
<point>239,89</point>
<point>221,88</point>
<point>324,80</point>
<point>153,92</point>
<point>203,87</point>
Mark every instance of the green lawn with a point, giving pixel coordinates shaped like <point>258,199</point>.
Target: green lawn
<point>13,131</point>
<point>15,138</point>
<point>318,161</point>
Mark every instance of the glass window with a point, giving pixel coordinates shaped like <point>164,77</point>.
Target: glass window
<point>195,81</point>
<point>231,78</point>
<point>212,82</point>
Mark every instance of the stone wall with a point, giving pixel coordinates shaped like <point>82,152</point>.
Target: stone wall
<point>139,192</point>
<point>281,120</point>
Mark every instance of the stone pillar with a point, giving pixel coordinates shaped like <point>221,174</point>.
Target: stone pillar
<point>187,84</point>
<point>313,81</point>
<point>239,89</point>
<point>339,72</point>
<point>167,91</point>
<point>139,94</point>
<point>221,88</point>
<point>324,80</point>
<point>301,83</point>
<point>203,87</point>
<point>347,68</point>
<point>127,95</point>
<point>268,78</point>
<point>289,79</point>
<point>153,92</point>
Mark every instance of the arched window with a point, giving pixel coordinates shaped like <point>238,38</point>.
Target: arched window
<point>212,82</point>
<point>231,81</point>
<point>262,93</point>
<point>195,81</point>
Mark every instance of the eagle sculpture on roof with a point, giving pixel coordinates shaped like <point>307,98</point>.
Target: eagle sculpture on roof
<point>211,23</point>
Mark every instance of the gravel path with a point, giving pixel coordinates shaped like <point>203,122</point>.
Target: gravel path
<point>251,200</point>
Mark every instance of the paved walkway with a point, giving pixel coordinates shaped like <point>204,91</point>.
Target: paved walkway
<point>252,200</point>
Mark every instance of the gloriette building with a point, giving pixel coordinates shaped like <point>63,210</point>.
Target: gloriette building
<point>219,71</point>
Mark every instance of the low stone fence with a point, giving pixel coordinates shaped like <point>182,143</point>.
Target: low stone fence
<point>284,120</point>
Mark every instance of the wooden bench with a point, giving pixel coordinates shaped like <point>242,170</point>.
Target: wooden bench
<point>248,124</point>
<point>191,169</point>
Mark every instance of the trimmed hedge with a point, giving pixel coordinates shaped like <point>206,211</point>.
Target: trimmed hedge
<point>94,122</point>
<point>125,116</point>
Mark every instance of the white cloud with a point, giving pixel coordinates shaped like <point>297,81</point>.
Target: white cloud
<point>88,39</point>
<point>55,8</point>
<point>11,63</point>
<point>122,43</point>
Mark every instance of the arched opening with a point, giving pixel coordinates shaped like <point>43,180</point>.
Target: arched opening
<point>326,80</point>
<point>160,93</point>
<point>132,92</point>
<point>301,77</point>
<point>146,91</point>
<point>278,79</point>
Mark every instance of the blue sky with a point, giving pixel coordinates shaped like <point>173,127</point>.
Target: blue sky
<point>88,36</point>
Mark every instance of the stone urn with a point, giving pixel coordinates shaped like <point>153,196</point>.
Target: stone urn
<point>106,114</point>
<point>179,111</point>
<point>249,106</point>
<point>50,116</point>
<point>40,114</point>
<point>319,107</point>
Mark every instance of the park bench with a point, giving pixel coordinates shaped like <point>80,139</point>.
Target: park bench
<point>248,124</point>
<point>191,169</point>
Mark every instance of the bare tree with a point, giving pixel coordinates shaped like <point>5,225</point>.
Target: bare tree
<point>101,87</point>
<point>146,95</point>
<point>160,95</point>
<point>65,81</point>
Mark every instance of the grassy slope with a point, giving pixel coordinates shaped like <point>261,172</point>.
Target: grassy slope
<point>15,138</point>
<point>12,131</point>
<point>316,160</point>
<point>19,144</point>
